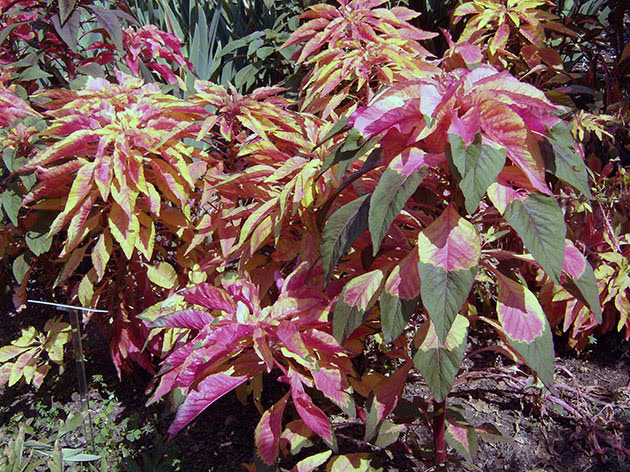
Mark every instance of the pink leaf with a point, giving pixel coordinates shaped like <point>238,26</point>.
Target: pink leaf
<point>268,431</point>
<point>313,417</point>
<point>211,297</point>
<point>208,391</point>
<point>191,318</point>
<point>332,383</point>
<point>450,242</point>
<point>574,261</point>
<point>525,326</point>
<point>289,335</point>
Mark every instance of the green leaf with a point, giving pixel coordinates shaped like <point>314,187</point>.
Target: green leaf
<point>395,313</point>
<point>400,297</point>
<point>348,151</point>
<point>354,303</point>
<point>438,362</point>
<point>33,73</point>
<point>463,157</point>
<point>565,163</point>
<point>539,222</point>
<point>337,129</point>
<point>11,202</point>
<point>342,229</point>
<point>400,180</point>
<point>587,285</point>
<point>6,30</point>
<point>478,166</point>
<point>36,239</point>
<point>20,267</point>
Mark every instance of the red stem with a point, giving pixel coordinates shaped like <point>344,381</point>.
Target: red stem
<point>439,442</point>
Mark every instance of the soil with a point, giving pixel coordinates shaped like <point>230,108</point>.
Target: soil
<point>583,426</point>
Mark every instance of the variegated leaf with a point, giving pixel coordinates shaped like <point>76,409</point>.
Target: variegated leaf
<point>449,250</point>
<point>526,327</point>
<point>356,298</point>
<point>400,297</point>
<point>437,361</point>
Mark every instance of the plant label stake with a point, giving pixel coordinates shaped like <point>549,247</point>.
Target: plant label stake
<point>79,361</point>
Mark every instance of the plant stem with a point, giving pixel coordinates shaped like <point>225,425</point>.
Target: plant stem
<point>439,443</point>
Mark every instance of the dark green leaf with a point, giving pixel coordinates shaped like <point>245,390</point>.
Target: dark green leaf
<point>564,162</point>
<point>348,151</point>
<point>342,229</point>
<point>65,9</point>
<point>443,294</point>
<point>399,181</point>
<point>11,202</point>
<point>478,166</point>
<point>395,313</point>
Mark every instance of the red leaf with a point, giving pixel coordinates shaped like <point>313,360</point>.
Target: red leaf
<point>386,396</point>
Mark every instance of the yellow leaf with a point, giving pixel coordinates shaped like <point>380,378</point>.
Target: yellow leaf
<point>101,253</point>
<point>86,291</point>
<point>163,275</point>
